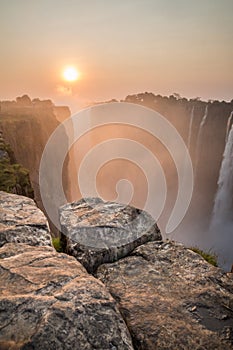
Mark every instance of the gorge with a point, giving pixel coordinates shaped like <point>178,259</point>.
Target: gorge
<point>206,129</point>
<point>204,126</point>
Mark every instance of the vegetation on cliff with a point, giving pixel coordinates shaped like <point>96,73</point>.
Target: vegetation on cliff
<point>57,243</point>
<point>14,178</point>
<point>210,258</point>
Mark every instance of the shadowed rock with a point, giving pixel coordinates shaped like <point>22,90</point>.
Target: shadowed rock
<point>98,232</point>
<point>48,301</point>
<point>171,298</point>
<point>22,222</point>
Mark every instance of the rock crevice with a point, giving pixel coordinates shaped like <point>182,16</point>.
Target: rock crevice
<point>77,314</point>
<point>145,294</point>
<point>171,298</point>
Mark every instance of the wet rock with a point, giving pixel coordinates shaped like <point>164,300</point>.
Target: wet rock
<point>48,301</point>
<point>171,298</point>
<point>22,222</point>
<point>98,232</point>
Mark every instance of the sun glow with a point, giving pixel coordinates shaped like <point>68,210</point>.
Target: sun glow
<point>70,74</point>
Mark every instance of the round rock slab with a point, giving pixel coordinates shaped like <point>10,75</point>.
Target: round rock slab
<point>171,298</point>
<point>98,232</point>
<point>48,301</point>
<point>22,222</point>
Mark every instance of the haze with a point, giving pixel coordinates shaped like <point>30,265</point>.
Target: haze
<point>119,48</point>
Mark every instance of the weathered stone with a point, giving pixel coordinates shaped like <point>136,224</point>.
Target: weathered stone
<point>98,232</point>
<point>22,222</point>
<point>48,301</point>
<point>171,298</point>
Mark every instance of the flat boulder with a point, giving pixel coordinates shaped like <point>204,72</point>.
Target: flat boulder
<point>22,222</point>
<point>171,298</point>
<point>49,301</point>
<point>98,232</point>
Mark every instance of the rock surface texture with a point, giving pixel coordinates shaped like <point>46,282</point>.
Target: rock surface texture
<point>171,298</point>
<point>151,295</point>
<point>22,222</point>
<point>98,232</point>
<point>48,301</point>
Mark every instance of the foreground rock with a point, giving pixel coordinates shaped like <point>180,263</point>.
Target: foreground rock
<point>48,301</point>
<point>171,298</point>
<point>98,232</point>
<point>22,222</point>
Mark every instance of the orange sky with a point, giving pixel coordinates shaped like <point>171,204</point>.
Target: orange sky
<point>119,47</point>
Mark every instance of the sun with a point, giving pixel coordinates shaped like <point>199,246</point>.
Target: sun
<point>70,74</point>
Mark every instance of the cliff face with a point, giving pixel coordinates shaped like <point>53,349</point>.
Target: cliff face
<point>14,178</point>
<point>205,138</point>
<point>203,127</point>
<point>27,126</point>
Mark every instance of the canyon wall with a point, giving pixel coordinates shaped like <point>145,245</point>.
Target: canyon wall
<point>204,127</point>
<point>27,125</point>
<point>14,178</point>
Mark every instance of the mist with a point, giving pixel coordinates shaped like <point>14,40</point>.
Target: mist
<point>203,127</point>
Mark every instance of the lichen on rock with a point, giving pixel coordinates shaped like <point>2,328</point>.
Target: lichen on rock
<point>48,301</point>
<point>98,232</point>
<point>22,222</point>
<point>171,298</point>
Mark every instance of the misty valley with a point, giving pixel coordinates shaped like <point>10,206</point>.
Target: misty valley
<point>205,127</point>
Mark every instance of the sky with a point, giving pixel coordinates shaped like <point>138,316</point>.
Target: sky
<point>119,47</point>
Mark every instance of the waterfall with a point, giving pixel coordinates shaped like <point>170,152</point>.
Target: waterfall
<point>190,129</point>
<point>199,136</point>
<point>223,204</point>
<point>229,123</point>
<point>221,226</point>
